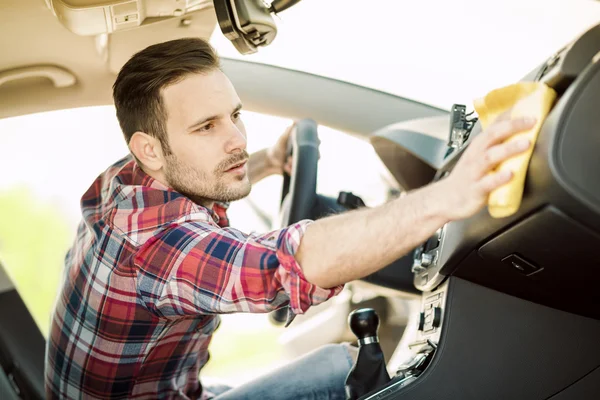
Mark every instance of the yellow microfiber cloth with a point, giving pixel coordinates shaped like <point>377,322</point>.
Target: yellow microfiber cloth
<point>523,99</point>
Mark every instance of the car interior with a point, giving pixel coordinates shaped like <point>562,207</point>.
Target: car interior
<point>509,307</point>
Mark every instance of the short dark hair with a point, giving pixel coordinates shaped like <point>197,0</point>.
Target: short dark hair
<point>137,89</point>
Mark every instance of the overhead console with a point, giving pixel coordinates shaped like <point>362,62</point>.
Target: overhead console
<point>94,17</point>
<point>547,251</point>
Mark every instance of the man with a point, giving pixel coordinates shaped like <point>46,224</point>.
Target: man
<point>155,263</point>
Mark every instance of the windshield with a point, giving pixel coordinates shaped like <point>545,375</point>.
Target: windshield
<point>437,52</point>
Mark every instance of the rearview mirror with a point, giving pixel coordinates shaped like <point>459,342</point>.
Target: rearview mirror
<point>248,24</point>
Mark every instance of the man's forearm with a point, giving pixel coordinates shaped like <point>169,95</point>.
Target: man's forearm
<point>260,166</point>
<point>349,246</point>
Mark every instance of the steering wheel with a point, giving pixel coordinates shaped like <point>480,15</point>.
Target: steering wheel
<point>299,192</point>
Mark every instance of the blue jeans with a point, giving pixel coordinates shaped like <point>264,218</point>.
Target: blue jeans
<point>318,375</point>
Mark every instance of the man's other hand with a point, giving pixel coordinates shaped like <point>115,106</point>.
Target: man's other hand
<point>465,191</point>
<point>277,154</point>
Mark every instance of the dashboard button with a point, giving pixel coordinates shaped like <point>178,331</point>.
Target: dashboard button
<point>427,259</point>
<point>417,266</point>
<point>437,317</point>
<point>520,264</point>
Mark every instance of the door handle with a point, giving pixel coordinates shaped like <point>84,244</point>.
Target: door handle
<point>59,76</point>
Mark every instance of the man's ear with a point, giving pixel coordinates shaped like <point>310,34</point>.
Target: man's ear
<point>147,149</point>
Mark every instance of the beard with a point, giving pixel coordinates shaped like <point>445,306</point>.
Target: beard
<point>207,187</point>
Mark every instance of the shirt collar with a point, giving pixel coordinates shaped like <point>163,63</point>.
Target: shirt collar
<point>141,178</point>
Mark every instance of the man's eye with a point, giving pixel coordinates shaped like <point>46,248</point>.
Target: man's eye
<point>206,128</point>
<point>236,115</point>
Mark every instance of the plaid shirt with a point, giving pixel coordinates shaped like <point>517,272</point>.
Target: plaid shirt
<point>144,283</point>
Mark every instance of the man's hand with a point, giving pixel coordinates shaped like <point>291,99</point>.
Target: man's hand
<point>466,190</point>
<point>277,154</point>
<point>271,161</point>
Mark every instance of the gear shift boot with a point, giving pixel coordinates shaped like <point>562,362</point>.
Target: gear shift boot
<point>370,372</point>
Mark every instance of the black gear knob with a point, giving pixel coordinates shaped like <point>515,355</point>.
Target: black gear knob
<point>369,372</point>
<point>364,323</point>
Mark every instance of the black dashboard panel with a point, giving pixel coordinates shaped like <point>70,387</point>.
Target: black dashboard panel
<point>574,151</point>
<point>548,258</point>
<point>493,346</point>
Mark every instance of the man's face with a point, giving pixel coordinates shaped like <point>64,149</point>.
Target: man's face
<point>207,139</point>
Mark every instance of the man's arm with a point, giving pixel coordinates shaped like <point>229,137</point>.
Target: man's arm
<point>261,165</point>
<point>197,268</point>
<point>350,246</point>
<point>270,161</point>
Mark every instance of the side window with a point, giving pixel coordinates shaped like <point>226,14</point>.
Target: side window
<point>49,161</point>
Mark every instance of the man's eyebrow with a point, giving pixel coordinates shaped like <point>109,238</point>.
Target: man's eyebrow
<point>212,117</point>
<point>202,121</point>
<point>237,108</point>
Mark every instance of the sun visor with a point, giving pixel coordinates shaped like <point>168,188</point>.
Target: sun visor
<point>412,151</point>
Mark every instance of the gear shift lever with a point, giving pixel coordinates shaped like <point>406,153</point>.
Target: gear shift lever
<point>370,371</point>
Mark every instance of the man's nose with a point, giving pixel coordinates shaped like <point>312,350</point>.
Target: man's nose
<point>236,140</point>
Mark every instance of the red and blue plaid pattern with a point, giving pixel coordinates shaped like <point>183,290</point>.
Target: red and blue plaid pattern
<point>143,285</point>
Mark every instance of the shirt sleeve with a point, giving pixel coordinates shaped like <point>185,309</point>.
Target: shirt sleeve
<point>196,268</point>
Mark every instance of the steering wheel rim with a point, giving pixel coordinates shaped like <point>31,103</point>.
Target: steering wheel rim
<point>299,191</point>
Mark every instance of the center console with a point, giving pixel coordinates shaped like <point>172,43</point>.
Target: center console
<point>424,347</point>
